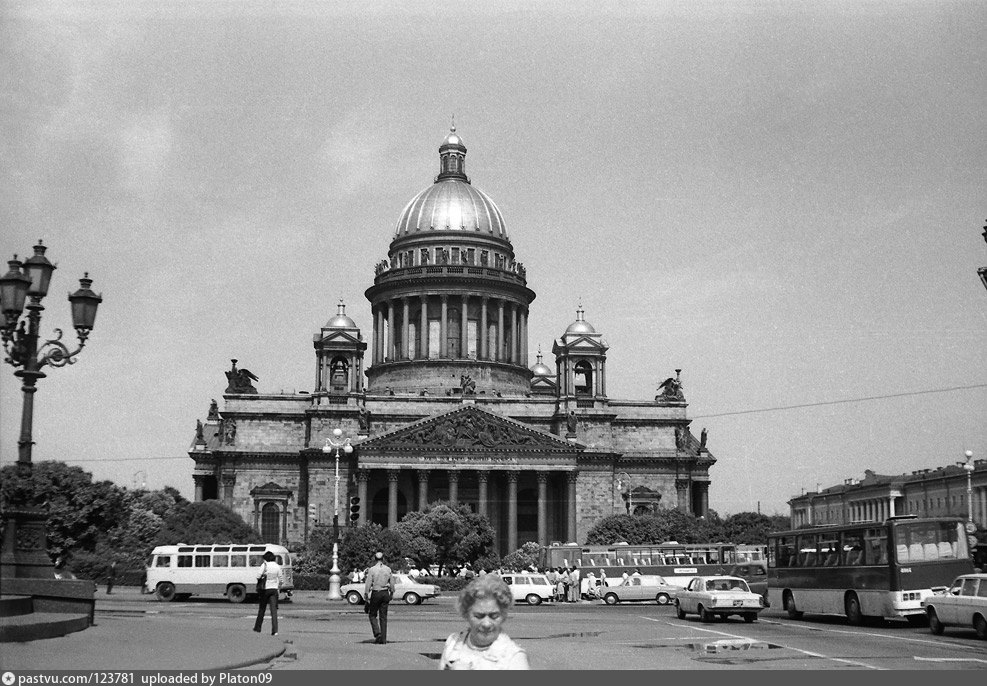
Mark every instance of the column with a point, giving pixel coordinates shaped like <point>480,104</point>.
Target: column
<point>453,486</point>
<point>229,480</point>
<point>524,337</point>
<point>391,338</point>
<point>511,512</point>
<point>406,347</point>
<point>463,326</point>
<point>378,323</point>
<point>481,504</point>
<point>891,506</point>
<point>570,496</point>
<point>422,489</point>
<point>482,329</point>
<point>703,499</point>
<point>423,330</point>
<point>542,507</point>
<point>444,329</point>
<point>514,357</point>
<point>198,487</point>
<point>682,492</point>
<point>392,497</point>
<point>603,377</point>
<point>362,476</point>
<point>499,353</point>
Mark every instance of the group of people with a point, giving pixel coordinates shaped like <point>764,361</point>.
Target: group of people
<point>484,604</point>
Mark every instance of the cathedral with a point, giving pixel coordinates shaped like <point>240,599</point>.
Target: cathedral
<point>439,401</point>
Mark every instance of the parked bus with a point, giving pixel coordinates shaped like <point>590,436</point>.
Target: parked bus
<point>677,562</point>
<point>866,569</point>
<point>230,570</point>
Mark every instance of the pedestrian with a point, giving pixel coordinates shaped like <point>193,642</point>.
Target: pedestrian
<point>378,590</point>
<point>575,588</point>
<point>111,576</point>
<point>484,604</point>
<point>603,578</point>
<point>560,585</point>
<point>268,588</point>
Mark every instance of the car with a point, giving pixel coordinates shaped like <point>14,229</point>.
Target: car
<point>718,596</point>
<point>639,587</point>
<point>529,587</point>
<point>405,587</point>
<point>755,573</point>
<point>964,604</point>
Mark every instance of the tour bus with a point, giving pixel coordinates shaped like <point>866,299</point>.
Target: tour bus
<point>677,562</point>
<point>866,569</point>
<point>231,570</point>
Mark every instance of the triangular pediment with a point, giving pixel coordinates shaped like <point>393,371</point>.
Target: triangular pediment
<point>469,429</point>
<point>340,338</point>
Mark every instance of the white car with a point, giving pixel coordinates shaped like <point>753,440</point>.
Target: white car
<point>529,587</point>
<point>639,587</point>
<point>964,604</point>
<point>405,587</point>
<point>718,596</point>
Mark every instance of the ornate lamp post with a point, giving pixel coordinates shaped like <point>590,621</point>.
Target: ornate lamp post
<point>24,536</point>
<point>335,446</point>
<point>969,467</point>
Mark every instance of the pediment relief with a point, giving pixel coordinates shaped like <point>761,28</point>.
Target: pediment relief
<point>269,489</point>
<point>469,429</point>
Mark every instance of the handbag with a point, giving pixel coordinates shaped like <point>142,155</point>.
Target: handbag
<point>262,581</point>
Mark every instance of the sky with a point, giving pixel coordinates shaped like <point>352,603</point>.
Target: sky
<point>784,200</point>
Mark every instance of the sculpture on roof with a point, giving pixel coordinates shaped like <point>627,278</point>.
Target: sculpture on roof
<point>570,422</point>
<point>213,411</point>
<point>240,380</point>
<point>363,417</point>
<point>199,437</point>
<point>671,388</point>
<point>469,386</point>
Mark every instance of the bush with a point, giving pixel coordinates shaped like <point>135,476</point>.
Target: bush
<point>314,582</point>
<point>450,584</point>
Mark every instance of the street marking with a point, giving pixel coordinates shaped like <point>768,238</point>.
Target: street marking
<point>952,659</point>
<point>798,650</point>
<point>868,633</point>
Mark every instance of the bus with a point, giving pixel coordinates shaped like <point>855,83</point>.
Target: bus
<point>231,570</point>
<point>677,562</point>
<point>866,569</point>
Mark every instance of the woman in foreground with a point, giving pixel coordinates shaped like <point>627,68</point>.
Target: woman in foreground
<point>484,604</point>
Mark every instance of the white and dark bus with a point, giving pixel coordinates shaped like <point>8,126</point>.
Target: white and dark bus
<point>180,571</point>
<point>866,569</point>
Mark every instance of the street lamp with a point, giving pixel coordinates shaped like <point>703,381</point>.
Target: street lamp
<point>969,467</point>
<point>27,282</point>
<point>334,446</point>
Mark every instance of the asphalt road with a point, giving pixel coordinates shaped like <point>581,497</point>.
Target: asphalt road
<point>588,636</point>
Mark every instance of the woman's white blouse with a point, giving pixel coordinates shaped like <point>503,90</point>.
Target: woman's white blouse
<point>503,653</point>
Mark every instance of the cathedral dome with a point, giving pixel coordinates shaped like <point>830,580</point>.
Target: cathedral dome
<point>539,368</point>
<point>580,325</point>
<point>451,203</point>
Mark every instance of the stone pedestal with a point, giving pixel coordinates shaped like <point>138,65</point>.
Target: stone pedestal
<point>24,553</point>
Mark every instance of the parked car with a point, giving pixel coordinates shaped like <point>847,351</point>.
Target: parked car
<point>529,587</point>
<point>755,573</point>
<point>718,596</point>
<point>963,604</point>
<point>641,587</point>
<point>405,588</point>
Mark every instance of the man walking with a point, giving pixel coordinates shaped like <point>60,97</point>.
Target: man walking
<point>378,590</point>
<point>111,577</point>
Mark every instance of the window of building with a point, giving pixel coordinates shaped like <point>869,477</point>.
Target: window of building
<point>583,373</point>
<point>471,339</point>
<point>270,523</point>
<point>470,255</point>
<point>434,337</point>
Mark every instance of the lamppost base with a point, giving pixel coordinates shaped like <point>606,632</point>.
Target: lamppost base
<point>334,578</point>
<point>23,554</point>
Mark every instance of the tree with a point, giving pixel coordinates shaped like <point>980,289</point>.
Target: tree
<point>358,545</point>
<point>205,522</point>
<point>445,534</point>
<point>80,511</point>
<point>523,558</point>
<point>749,527</point>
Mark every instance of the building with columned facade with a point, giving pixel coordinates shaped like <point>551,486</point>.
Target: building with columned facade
<point>440,401</point>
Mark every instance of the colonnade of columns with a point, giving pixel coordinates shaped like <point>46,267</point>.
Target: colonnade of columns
<point>978,505</point>
<point>872,510</point>
<point>483,477</point>
<point>501,332</point>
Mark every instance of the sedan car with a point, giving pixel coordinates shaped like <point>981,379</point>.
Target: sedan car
<point>405,588</point>
<point>718,596</point>
<point>639,588</point>
<point>755,573</point>
<point>529,587</point>
<point>963,604</point>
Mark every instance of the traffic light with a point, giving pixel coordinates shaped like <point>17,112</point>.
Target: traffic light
<point>354,508</point>
<point>313,512</point>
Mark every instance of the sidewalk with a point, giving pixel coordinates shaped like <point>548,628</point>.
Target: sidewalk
<point>127,636</point>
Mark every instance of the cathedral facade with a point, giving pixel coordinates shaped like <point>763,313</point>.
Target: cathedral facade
<point>440,402</point>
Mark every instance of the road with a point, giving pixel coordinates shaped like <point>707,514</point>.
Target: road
<point>590,636</point>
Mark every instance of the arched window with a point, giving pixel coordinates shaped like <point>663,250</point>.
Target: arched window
<point>270,523</point>
<point>583,373</point>
<point>338,374</point>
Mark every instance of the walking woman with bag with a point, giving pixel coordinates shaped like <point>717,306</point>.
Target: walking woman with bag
<point>268,588</point>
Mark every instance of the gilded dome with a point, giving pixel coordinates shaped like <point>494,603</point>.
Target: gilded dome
<point>539,368</point>
<point>341,320</point>
<point>451,203</point>
<point>580,325</point>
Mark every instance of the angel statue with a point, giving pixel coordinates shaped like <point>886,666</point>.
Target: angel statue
<point>240,380</point>
<point>670,389</point>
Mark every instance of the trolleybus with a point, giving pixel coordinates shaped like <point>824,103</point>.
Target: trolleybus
<point>866,569</point>
<point>230,570</point>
